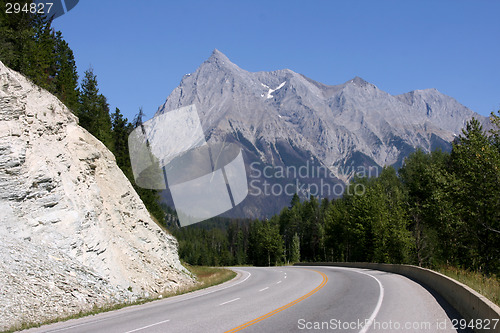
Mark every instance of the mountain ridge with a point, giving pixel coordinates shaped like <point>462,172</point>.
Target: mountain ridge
<point>279,114</point>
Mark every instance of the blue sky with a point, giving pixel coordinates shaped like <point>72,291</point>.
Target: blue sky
<point>141,49</point>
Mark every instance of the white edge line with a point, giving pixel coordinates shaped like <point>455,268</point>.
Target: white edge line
<point>278,282</point>
<point>142,328</point>
<point>180,300</point>
<point>264,289</point>
<point>377,307</point>
<point>73,326</point>
<point>212,291</point>
<point>226,302</point>
<point>370,320</point>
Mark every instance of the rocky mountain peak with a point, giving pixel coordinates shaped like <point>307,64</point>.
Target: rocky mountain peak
<point>220,60</point>
<point>216,54</point>
<point>358,84</point>
<point>282,118</point>
<point>358,81</point>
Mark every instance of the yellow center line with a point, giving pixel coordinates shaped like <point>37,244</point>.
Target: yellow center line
<point>272,313</point>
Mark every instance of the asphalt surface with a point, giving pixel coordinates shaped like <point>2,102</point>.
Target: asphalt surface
<point>285,299</point>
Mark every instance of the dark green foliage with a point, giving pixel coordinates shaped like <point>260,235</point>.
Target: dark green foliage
<point>266,245</point>
<point>370,224</point>
<point>295,249</point>
<point>495,132</point>
<point>151,199</point>
<point>30,45</point>
<point>425,178</point>
<point>454,202</point>
<point>93,110</point>
<point>214,242</point>
<point>475,163</point>
<point>121,130</point>
<point>15,36</point>
<point>66,78</point>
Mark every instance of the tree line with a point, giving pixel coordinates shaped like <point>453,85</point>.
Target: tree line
<point>30,45</point>
<point>438,209</point>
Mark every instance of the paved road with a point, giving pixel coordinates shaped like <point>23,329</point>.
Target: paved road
<point>285,299</point>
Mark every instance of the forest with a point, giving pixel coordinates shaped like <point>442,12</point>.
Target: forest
<point>439,208</point>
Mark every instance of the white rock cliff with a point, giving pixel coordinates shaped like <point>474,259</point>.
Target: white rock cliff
<point>73,232</point>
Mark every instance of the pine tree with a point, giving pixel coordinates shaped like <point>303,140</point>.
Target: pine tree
<point>66,77</point>
<point>88,99</point>
<point>431,216</point>
<point>121,130</point>
<point>93,110</point>
<point>475,160</point>
<point>270,243</point>
<point>295,249</point>
<point>495,131</point>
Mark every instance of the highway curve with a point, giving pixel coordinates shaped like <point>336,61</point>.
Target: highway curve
<point>285,299</point>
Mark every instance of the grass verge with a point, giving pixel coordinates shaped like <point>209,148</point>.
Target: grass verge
<point>205,276</point>
<point>209,276</point>
<point>486,286</point>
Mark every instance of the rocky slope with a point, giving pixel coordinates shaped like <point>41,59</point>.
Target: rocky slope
<point>284,119</point>
<point>73,232</point>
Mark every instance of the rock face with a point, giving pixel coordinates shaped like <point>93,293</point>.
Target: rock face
<point>284,119</point>
<point>73,232</point>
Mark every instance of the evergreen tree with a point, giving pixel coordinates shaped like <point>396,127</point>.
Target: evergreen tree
<point>475,160</point>
<point>240,252</point>
<point>66,77</point>
<point>121,130</point>
<point>93,110</point>
<point>495,131</point>
<point>337,239</point>
<point>431,213</point>
<point>295,249</point>
<point>270,241</point>
<point>89,101</point>
<point>393,242</point>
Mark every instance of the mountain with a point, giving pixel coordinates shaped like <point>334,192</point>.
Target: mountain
<point>73,232</point>
<point>283,121</point>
